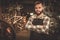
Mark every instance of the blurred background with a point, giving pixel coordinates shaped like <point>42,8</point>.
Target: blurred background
<point>17,12</point>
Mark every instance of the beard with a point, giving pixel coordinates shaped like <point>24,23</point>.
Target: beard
<point>38,12</point>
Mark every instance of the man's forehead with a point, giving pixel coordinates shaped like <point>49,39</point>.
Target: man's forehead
<point>38,5</point>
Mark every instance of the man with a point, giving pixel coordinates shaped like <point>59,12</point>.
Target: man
<point>38,31</point>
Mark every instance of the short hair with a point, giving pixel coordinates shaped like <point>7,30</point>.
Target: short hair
<point>38,2</point>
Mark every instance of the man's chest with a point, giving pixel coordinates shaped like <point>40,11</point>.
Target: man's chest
<point>38,19</point>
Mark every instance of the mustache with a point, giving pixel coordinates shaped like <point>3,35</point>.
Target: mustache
<point>39,11</point>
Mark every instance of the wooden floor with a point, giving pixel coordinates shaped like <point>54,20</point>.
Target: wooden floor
<point>23,35</point>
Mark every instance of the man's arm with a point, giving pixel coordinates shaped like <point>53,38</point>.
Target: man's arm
<point>46,22</point>
<point>46,25</point>
<point>29,24</point>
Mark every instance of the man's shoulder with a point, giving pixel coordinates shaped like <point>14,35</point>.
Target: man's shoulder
<point>33,16</point>
<point>46,16</point>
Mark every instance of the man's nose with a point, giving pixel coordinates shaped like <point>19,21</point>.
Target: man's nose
<point>38,9</point>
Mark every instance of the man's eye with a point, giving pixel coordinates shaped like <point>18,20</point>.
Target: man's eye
<point>39,7</point>
<point>35,8</point>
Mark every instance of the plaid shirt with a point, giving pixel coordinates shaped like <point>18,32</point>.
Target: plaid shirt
<point>39,28</point>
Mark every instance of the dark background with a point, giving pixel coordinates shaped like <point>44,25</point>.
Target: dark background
<point>54,5</point>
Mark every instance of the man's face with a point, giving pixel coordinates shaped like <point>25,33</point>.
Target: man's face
<point>38,8</point>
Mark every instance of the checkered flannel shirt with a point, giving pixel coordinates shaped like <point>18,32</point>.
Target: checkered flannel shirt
<point>39,28</point>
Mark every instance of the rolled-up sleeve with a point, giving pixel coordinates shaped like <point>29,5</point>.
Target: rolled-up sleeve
<point>46,23</point>
<point>29,24</point>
